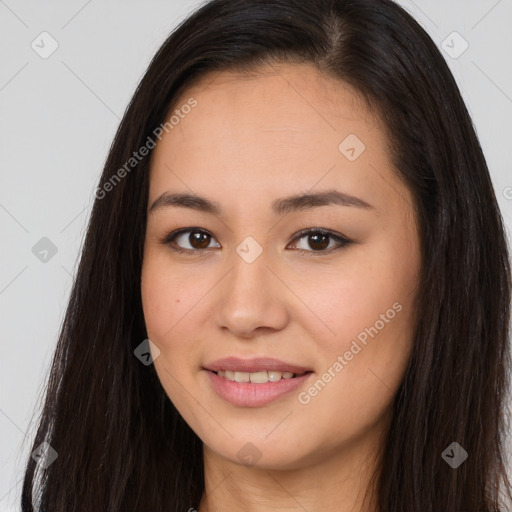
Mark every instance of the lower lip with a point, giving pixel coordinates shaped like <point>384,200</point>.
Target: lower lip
<point>248,394</point>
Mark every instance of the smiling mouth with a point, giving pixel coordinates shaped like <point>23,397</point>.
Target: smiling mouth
<point>261,377</point>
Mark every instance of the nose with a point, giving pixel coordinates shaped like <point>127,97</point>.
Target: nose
<point>251,299</point>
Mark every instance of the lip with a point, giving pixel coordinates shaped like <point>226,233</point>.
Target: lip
<point>248,394</point>
<point>258,364</point>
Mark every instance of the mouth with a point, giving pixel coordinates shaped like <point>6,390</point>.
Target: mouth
<point>255,382</point>
<point>259,377</point>
<point>261,365</point>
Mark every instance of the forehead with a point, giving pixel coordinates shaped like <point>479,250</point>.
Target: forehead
<point>292,102</point>
<point>278,127</point>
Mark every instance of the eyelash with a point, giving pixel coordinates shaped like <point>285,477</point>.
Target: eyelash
<point>342,240</point>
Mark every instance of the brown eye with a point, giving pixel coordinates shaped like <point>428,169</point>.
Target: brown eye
<point>319,240</point>
<point>199,240</point>
<point>189,240</point>
<point>196,240</point>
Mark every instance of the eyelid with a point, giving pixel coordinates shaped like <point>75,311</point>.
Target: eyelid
<point>341,239</point>
<point>169,238</point>
<point>333,235</point>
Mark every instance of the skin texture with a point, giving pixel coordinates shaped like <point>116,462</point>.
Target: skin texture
<point>251,140</point>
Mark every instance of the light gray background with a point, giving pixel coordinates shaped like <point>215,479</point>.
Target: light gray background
<point>58,118</point>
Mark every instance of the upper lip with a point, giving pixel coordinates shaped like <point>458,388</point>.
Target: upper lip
<point>258,364</point>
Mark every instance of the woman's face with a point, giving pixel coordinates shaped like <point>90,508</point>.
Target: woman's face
<point>249,284</point>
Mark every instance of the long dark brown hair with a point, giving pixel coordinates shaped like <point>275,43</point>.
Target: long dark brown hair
<point>122,445</point>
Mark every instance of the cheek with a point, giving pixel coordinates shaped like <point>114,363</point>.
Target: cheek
<point>363,367</point>
<point>173,307</point>
<point>157,305</point>
<point>168,297</point>
<point>366,350</point>
<point>371,292</point>
<point>163,306</point>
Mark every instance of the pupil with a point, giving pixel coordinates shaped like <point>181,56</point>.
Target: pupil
<point>319,244</point>
<point>199,240</point>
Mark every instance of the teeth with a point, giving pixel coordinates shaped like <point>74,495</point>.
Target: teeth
<point>255,377</point>
<point>258,377</point>
<point>242,376</point>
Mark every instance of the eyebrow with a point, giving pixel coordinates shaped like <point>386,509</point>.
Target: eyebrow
<point>299,202</point>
